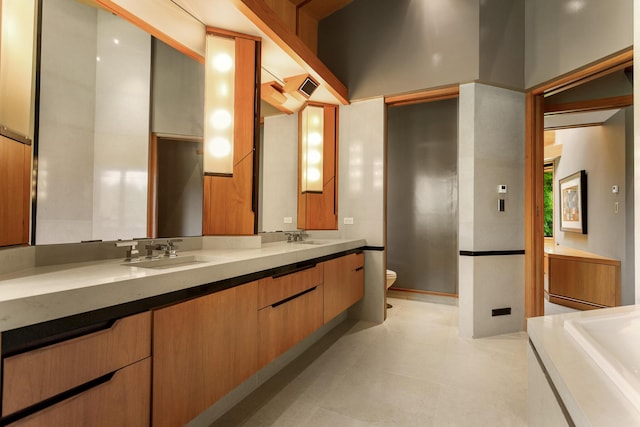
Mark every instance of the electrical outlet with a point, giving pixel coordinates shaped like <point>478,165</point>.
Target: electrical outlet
<point>348,220</point>
<point>288,220</point>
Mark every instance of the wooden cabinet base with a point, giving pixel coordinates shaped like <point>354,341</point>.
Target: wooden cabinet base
<point>122,401</point>
<point>282,325</point>
<point>202,349</point>
<point>343,284</point>
<point>40,374</point>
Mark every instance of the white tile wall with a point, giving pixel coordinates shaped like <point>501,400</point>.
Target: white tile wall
<point>491,152</point>
<point>361,170</point>
<point>121,129</point>
<point>280,173</point>
<point>361,194</point>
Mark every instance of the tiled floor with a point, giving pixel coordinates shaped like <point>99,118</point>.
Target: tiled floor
<point>413,370</point>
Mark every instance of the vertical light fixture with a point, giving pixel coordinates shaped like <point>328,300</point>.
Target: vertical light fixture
<point>219,105</point>
<point>311,148</point>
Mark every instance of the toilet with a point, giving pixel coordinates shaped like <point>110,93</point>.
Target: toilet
<point>391,278</point>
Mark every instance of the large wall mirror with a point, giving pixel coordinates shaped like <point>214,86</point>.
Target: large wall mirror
<point>115,107</point>
<point>120,130</point>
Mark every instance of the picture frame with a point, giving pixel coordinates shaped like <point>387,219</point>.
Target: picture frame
<point>573,203</point>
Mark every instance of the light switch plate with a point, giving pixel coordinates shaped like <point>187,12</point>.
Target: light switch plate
<point>502,188</point>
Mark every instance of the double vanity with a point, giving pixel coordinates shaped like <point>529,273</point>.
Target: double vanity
<point>158,342</point>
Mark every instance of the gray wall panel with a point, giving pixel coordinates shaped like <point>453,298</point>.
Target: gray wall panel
<point>422,221</point>
<point>561,36</point>
<point>382,47</point>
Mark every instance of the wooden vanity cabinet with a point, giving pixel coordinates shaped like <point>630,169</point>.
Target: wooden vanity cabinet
<point>290,309</point>
<point>124,400</point>
<point>85,377</point>
<point>202,349</point>
<point>343,284</point>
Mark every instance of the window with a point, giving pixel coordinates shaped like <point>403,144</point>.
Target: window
<point>548,200</point>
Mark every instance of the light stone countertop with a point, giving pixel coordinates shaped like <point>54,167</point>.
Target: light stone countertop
<point>590,396</point>
<point>39,294</point>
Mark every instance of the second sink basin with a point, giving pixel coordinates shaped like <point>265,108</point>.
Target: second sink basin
<point>310,242</point>
<point>165,262</point>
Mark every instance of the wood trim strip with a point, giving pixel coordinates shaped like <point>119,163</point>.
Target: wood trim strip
<point>602,73</point>
<point>574,303</point>
<point>270,23</point>
<point>418,291</point>
<point>589,72</point>
<point>232,34</point>
<point>591,105</point>
<point>152,197</point>
<point>429,95</point>
<point>534,241</point>
<point>534,166</point>
<point>143,25</point>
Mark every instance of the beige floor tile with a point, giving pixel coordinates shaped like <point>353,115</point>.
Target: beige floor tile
<point>413,370</point>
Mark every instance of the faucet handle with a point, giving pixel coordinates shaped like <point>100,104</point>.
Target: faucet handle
<point>132,253</point>
<point>172,248</point>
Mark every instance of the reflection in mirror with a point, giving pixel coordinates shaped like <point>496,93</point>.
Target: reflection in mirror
<point>106,86</point>
<point>93,126</point>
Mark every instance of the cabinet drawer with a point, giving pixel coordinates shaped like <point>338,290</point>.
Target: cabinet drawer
<point>124,400</point>
<point>282,325</point>
<point>36,375</point>
<point>343,284</point>
<point>274,289</point>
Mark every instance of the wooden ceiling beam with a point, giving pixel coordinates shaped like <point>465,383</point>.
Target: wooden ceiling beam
<point>268,21</point>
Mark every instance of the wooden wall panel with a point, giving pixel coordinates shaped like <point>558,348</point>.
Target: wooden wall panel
<point>244,115</point>
<point>319,211</point>
<point>308,30</point>
<point>589,280</point>
<point>228,202</point>
<point>285,10</point>
<point>15,192</point>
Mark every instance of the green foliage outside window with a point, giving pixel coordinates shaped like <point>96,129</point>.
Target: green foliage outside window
<point>548,203</point>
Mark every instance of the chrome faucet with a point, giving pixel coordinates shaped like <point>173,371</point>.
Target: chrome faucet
<point>171,249</point>
<point>132,253</point>
<point>152,248</point>
<point>295,235</point>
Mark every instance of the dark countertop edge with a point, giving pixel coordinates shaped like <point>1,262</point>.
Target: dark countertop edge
<point>49,332</point>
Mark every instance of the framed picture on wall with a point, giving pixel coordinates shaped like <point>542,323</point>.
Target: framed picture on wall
<point>573,203</point>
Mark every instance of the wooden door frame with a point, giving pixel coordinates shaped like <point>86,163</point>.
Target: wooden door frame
<point>534,162</point>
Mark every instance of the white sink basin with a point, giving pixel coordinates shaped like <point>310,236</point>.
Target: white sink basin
<point>165,262</point>
<point>613,342</point>
<point>310,242</point>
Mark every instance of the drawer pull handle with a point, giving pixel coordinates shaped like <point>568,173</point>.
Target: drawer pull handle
<point>296,270</point>
<point>286,300</point>
<point>53,400</point>
<point>359,268</point>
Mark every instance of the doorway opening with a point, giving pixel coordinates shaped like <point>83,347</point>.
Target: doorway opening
<point>575,96</point>
<point>422,197</point>
<point>175,186</point>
